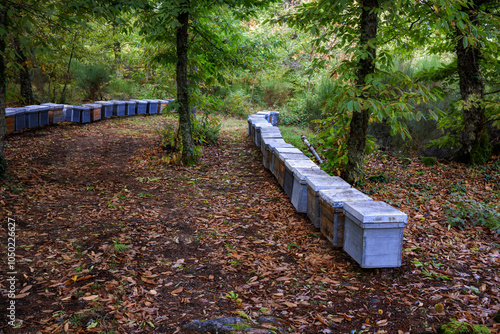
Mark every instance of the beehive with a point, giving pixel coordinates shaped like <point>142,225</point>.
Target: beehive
<point>331,212</point>
<point>299,189</point>
<point>316,183</point>
<point>289,166</point>
<point>106,109</point>
<point>95,111</point>
<point>373,234</point>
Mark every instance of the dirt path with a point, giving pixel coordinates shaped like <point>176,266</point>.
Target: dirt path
<point>112,240</point>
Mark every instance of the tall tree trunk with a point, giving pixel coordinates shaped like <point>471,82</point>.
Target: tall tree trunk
<point>476,148</point>
<point>188,155</point>
<point>356,145</point>
<point>66,81</point>
<point>26,90</point>
<point>3,24</point>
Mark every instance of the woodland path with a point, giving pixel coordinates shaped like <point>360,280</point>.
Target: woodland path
<point>112,239</point>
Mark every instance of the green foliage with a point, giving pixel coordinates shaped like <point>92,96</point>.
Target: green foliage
<point>206,130</point>
<point>169,136</point>
<point>92,79</point>
<point>381,178</point>
<point>459,327</point>
<point>464,212</point>
<point>119,247</point>
<point>236,103</point>
<point>428,161</point>
<point>481,152</point>
<point>497,316</point>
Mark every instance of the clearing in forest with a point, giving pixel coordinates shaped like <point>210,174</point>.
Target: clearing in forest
<point>111,239</point>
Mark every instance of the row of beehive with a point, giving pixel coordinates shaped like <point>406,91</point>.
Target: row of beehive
<point>51,113</point>
<point>370,232</point>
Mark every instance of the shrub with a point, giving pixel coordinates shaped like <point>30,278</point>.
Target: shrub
<point>92,79</point>
<point>236,104</point>
<point>428,161</point>
<point>206,130</point>
<point>466,211</point>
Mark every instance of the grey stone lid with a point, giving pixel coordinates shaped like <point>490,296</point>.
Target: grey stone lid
<point>271,141</point>
<point>291,149</point>
<point>261,125</point>
<point>14,111</point>
<point>374,212</point>
<point>92,105</point>
<point>271,129</point>
<point>296,156</point>
<point>55,106</point>
<point>291,164</point>
<point>274,135</point>
<point>111,103</point>
<point>271,146</point>
<point>318,183</point>
<point>263,113</point>
<point>301,173</point>
<point>338,196</point>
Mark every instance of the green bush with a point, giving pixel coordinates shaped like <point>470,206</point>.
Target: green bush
<point>236,104</point>
<point>459,327</point>
<point>428,161</point>
<point>122,89</point>
<point>206,130</point>
<point>91,79</point>
<point>466,211</point>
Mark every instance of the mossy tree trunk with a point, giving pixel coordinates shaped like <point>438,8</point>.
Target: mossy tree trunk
<point>188,154</point>
<point>356,144</point>
<point>26,90</point>
<point>476,147</point>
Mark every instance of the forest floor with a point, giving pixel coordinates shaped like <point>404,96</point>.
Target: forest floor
<point>111,239</point>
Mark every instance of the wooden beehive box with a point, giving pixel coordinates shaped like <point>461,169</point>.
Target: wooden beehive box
<point>274,157</point>
<point>250,121</point>
<point>290,165</point>
<point>331,211</point>
<point>95,111</point>
<point>32,117</point>
<point>55,113</point>
<point>316,183</point>
<point>10,120</point>
<point>258,127</point>
<point>373,234</point>
<point>130,107</point>
<point>106,109</point>
<point>299,189</point>
<point>265,152</point>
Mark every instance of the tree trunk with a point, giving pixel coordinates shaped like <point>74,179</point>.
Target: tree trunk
<point>356,144</point>
<point>67,77</point>
<point>26,90</point>
<point>188,155</point>
<point>476,148</point>
<point>3,24</point>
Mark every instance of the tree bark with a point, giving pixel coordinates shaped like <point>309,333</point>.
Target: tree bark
<point>476,148</point>
<point>188,154</point>
<point>3,23</point>
<point>356,144</point>
<point>26,90</point>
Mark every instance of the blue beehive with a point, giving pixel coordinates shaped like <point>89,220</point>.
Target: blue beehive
<point>130,107</point>
<point>10,120</point>
<point>71,114</point>
<point>55,112</point>
<point>107,108</point>
<point>95,111</point>
<point>85,113</point>
<point>141,107</point>
<point>32,117</point>
<point>43,115</point>
<point>373,234</point>
<point>118,108</point>
<point>153,106</point>
<point>20,118</point>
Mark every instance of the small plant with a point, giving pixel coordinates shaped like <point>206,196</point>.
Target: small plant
<point>118,247</point>
<point>466,211</point>
<point>428,161</point>
<point>381,178</point>
<point>459,327</point>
